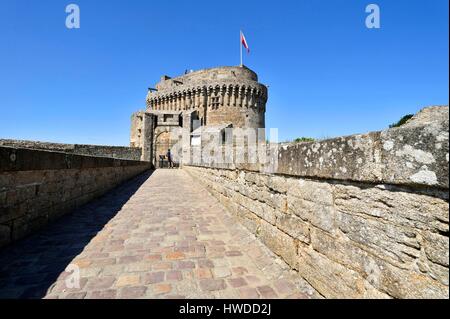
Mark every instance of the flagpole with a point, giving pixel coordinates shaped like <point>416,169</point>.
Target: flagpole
<point>240,44</point>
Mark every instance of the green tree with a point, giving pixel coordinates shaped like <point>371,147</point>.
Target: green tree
<point>402,121</point>
<point>304,139</point>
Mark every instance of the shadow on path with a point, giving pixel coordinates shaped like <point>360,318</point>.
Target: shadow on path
<point>30,266</point>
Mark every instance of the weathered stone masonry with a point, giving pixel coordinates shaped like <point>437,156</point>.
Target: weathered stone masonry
<point>38,186</point>
<point>210,99</point>
<point>120,152</point>
<point>364,216</point>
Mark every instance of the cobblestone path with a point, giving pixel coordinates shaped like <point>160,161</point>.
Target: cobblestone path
<point>161,235</point>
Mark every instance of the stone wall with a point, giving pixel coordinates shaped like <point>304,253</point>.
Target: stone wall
<point>38,186</point>
<point>119,152</point>
<point>365,216</point>
<point>136,132</point>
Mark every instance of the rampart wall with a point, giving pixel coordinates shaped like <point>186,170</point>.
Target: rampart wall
<point>39,186</point>
<point>119,152</point>
<point>363,216</point>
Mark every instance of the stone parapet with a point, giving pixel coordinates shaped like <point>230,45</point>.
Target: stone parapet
<point>120,152</point>
<point>37,187</point>
<point>364,216</point>
<point>416,154</point>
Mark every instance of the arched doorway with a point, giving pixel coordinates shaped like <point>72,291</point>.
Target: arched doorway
<point>165,140</point>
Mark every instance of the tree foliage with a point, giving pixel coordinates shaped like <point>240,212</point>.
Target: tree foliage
<point>402,121</point>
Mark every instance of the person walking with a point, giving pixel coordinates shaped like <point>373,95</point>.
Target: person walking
<point>169,159</point>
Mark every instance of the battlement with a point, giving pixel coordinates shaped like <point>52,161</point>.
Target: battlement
<point>206,76</point>
<point>230,94</point>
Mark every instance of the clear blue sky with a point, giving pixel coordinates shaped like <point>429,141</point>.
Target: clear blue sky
<point>328,74</point>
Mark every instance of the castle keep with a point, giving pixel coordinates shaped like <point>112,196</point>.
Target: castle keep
<point>210,99</point>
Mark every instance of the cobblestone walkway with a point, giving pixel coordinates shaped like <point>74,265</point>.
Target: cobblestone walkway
<point>158,236</point>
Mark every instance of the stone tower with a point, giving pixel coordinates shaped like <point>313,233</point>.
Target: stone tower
<point>214,98</point>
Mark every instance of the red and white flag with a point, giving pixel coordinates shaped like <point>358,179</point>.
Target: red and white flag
<point>244,42</point>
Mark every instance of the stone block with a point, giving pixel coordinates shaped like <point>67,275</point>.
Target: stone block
<point>395,205</point>
<point>317,192</point>
<point>417,152</point>
<point>319,215</point>
<point>248,219</point>
<point>435,271</point>
<point>409,284</point>
<point>436,248</point>
<point>345,158</point>
<point>413,154</point>
<point>293,226</point>
<point>275,200</point>
<point>387,241</point>
<point>280,243</point>
<point>260,209</point>
<point>278,184</point>
<point>333,280</point>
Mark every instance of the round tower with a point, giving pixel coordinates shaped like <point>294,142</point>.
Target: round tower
<point>223,95</point>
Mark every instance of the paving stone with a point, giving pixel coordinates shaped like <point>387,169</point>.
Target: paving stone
<point>141,241</point>
<point>175,255</point>
<point>153,257</point>
<point>132,292</point>
<point>76,295</point>
<point>154,277</point>
<point>112,270</point>
<point>128,280</point>
<point>174,275</point>
<point>185,264</point>
<point>221,272</point>
<point>298,295</point>
<point>138,267</point>
<point>82,263</point>
<point>237,282</point>
<point>284,286</point>
<point>233,253</point>
<point>249,293</point>
<point>162,266</point>
<point>205,263</point>
<point>105,294</point>
<point>130,259</point>
<point>103,262</point>
<point>239,271</point>
<point>212,284</point>
<point>160,289</point>
<point>253,279</point>
<point>101,282</point>
<point>267,292</point>
<point>202,273</point>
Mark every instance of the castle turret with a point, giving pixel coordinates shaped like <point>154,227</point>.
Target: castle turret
<point>224,95</point>
<point>217,98</point>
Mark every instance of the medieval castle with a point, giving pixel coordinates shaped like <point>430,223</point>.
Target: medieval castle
<point>212,99</point>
